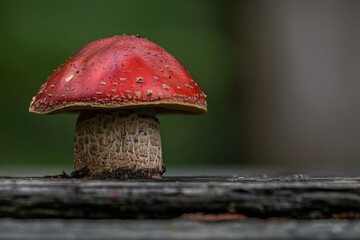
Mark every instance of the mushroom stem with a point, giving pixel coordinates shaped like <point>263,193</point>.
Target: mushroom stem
<point>118,144</point>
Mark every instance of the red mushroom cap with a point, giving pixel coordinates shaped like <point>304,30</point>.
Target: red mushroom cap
<point>120,72</point>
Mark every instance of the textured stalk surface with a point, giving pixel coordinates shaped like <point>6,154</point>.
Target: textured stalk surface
<point>122,143</point>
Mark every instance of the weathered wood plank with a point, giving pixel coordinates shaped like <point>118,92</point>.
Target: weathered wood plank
<point>261,197</point>
<point>177,229</point>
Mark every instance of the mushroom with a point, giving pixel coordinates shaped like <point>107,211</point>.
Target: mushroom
<point>118,85</point>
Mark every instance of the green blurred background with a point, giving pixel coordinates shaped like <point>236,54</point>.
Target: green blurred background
<point>281,76</point>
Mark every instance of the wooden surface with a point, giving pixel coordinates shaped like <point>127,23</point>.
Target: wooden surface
<point>177,229</point>
<point>260,197</point>
<point>284,207</point>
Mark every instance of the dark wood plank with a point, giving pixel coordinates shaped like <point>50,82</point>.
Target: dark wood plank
<point>295,196</point>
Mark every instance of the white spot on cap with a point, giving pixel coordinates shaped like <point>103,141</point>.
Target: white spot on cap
<point>188,85</point>
<point>166,87</point>
<point>149,92</point>
<point>33,100</point>
<point>102,83</point>
<point>137,95</point>
<point>69,76</point>
<point>139,80</point>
